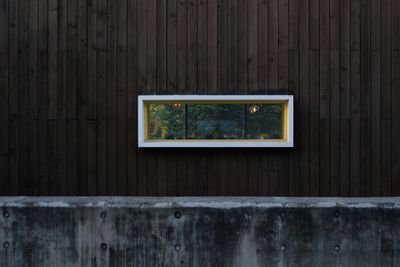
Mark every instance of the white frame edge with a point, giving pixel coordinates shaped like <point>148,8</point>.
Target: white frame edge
<point>205,144</point>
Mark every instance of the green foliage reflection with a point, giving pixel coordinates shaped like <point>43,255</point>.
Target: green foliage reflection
<point>215,121</point>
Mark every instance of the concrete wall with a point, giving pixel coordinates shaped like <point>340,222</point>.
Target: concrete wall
<point>199,232</point>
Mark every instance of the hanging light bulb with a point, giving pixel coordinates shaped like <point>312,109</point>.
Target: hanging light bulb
<point>177,105</point>
<point>253,109</point>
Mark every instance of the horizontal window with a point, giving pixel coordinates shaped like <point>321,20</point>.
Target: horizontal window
<point>212,121</point>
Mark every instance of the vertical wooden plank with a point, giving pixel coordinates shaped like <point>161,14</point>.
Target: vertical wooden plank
<point>222,35</point>
<point>324,111</point>
<point>273,44</point>
<point>23,91</point>
<point>51,46</point>
<point>162,156</point>
<point>344,59</point>
<point>152,168</point>
<point>386,95</point>
<point>345,160</point>
<point>355,24</point>
<point>273,84</point>
<point>334,90</point>
<point>293,85</point>
<point>192,82</point>
<point>242,85</point>
<point>62,71</point>
<point>182,35</point>
<point>252,29</point>
<point>345,97</point>
<point>242,49</point>
<point>334,24</point>
<point>172,86</point>
<point>385,37</point>
<point>386,157</point>
<point>365,157</point>
<point>314,124</point>
<point>122,182</point>
<point>395,123</point>
<point>376,98</point>
<point>283,85</point>
<point>355,97</point>
<point>111,97</point>
<point>365,100</point>
<point>293,24</point>
<point>47,57</point>
<point>91,98</point>
<point>131,94</point>
<point>33,96</point>
<point>262,31</point>
<point>47,158</point>
<point>192,57</point>
<point>13,95</point>
<point>314,98</point>
<point>365,46</point>
<point>72,138</point>
<point>324,60</point>
<point>376,123</point>
<point>93,183</point>
<point>355,123</point>
<point>182,45</point>
<point>375,9</point>
<point>232,70</point>
<point>202,47</point>
<point>212,46</point>
<point>81,97</point>
<point>283,44</point>
<point>334,144</point>
<point>101,98</point>
<point>304,98</point>
<point>52,49</point>
<point>202,84</point>
<point>4,97</point>
<point>395,16</point>
<point>324,157</point>
<point>212,78</point>
<point>263,45</point>
<point>314,24</point>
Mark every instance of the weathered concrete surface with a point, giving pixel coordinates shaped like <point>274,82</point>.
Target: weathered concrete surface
<point>199,232</point>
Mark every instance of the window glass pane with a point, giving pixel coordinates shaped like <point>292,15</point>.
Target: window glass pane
<point>215,121</point>
<point>264,121</point>
<point>198,121</point>
<point>166,121</point>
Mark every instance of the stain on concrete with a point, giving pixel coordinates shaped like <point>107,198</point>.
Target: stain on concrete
<point>199,232</point>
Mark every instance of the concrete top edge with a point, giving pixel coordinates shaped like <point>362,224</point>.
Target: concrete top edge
<point>200,202</point>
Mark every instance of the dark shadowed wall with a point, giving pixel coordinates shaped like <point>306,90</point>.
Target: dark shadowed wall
<point>70,73</point>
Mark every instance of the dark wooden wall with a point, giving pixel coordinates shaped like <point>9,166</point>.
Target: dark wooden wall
<point>71,70</point>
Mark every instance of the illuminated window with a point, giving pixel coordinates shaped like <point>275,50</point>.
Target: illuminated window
<point>215,121</point>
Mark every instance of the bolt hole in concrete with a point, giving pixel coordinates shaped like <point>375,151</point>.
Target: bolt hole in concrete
<point>103,215</point>
<point>178,214</point>
<point>337,248</point>
<point>177,248</point>
<point>6,214</point>
<point>103,246</point>
<point>6,244</point>
<point>337,213</point>
<point>282,214</point>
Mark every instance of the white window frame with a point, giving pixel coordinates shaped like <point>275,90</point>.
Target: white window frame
<point>289,142</point>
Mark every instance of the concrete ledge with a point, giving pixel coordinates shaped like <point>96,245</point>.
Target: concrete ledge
<point>211,231</point>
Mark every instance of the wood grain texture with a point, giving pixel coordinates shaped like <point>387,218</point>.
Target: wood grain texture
<point>71,71</point>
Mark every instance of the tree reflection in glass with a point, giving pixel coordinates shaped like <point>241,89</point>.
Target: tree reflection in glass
<point>166,121</point>
<point>198,121</point>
